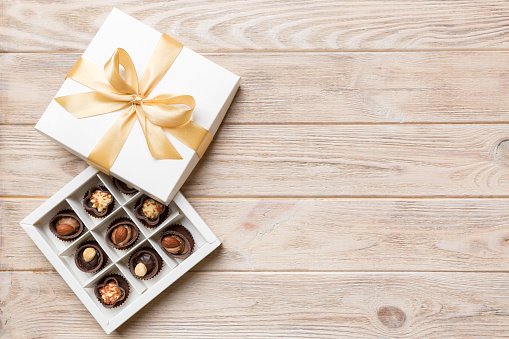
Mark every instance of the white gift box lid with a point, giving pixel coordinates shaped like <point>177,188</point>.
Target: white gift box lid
<point>212,86</point>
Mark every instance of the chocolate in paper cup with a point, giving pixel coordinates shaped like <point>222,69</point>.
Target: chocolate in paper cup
<point>147,222</point>
<point>62,214</point>
<point>122,187</point>
<point>88,206</point>
<point>121,282</point>
<point>95,245</point>
<point>183,233</point>
<point>122,221</point>
<point>158,262</point>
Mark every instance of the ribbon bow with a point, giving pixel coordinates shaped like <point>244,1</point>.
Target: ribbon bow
<point>112,92</point>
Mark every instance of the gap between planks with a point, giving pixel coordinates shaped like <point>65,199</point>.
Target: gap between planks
<point>388,123</point>
<point>311,51</point>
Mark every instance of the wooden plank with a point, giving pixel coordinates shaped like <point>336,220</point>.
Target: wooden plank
<point>323,235</point>
<point>261,305</point>
<point>267,25</point>
<point>300,161</point>
<point>282,88</point>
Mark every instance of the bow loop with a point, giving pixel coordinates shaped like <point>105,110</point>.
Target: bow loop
<point>112,71</point>
<point>169,110</point>
<point>163,113</point>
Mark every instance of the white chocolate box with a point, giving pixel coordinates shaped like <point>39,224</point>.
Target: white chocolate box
<point>61,253</point>
<point>212,86</point>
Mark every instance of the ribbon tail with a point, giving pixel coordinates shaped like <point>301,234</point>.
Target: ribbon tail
<point>89,104</point>
<point>158,143</point>
<point>90,75</point>
<point>193,136</point>
<point>108,148</point>
<point>163,56</point>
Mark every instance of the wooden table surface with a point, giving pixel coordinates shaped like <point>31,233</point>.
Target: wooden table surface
<point>359,183</point>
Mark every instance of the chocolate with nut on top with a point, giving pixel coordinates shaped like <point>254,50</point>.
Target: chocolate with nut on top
<point>90,257</point>
<point>150,212</point>
<point>122,234</point>
<point>66,225</point>
<point>145,263</point>
<point>177,241</point>
<point>98,201</point>
<point>112,291</point>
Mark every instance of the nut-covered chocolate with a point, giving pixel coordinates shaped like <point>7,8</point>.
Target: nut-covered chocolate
<point>112,291</point>
<point>145,263</point>
<point>177,241</point>
<point>122,234</point>
<point>150,212</point>
<point>98,202</point>
<point>66,225</point>
<point>151,208</point>
<point>90,257</point>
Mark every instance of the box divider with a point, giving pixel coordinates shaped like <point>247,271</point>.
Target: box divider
<point>107,249</point>
<point>133,198</point>
<point>143,229</point>
<point>113,190</point>
<point>137,284</point>
<point>80,212</point>
<point>93,280</point>
<point>112,216</point>
<point>73,245</point>
<point>172,218</point>
<point>125,256</point>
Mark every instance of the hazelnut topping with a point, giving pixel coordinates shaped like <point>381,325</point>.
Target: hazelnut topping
<point>140,270</point>
<point>89,254</point>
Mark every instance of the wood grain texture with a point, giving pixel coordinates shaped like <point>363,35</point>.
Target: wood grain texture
<point>283,88</point>
<point>300,161</point>
<point>261,305</point>
<point>267,25</point>
<point>359,183</point>
<point>323,235</point>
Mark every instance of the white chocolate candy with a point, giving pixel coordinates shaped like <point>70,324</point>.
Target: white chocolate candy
<point>100,200</point>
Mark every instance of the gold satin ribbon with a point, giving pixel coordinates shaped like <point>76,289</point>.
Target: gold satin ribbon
<point>112,93</point>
